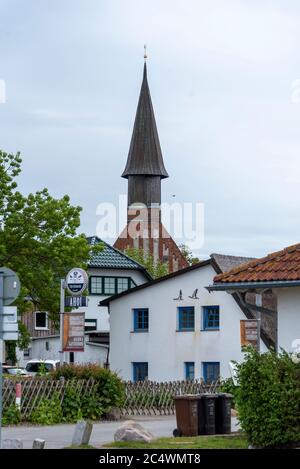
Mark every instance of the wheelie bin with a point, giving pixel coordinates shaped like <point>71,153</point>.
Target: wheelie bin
<point>223,413</point>
<point>186,415</point>
<point>207,414</point>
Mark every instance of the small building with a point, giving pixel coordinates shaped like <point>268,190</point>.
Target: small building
<point>172,328</point>
<point>278,273</point>
<point>110,271</point>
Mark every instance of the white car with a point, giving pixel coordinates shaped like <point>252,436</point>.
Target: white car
<point>35,366</point>
<point>13,371</point>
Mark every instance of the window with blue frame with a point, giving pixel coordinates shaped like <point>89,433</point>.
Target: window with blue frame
<point>140,371</point>
<point>189,370</point>
<point>211,371</point>
<point>186,318</point>
<point>140,320</point>
<point>211,318</point>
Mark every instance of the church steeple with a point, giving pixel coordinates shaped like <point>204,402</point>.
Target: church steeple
<point>144,170</point>
<point>145,156</point>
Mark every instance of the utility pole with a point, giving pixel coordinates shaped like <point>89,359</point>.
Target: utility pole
<point>61,322</point>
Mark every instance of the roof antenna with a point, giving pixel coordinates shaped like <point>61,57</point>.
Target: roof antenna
<point>145,53</point>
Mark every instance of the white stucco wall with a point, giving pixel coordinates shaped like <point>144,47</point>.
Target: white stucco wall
<point>163,347</point>
<point>288,318</point>
<point>92,353</point>
<point>93,311</point>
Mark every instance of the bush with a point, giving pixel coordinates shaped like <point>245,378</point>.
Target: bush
<point>110,390</point>
<point>48,412</point>
<point>227,385</point>
<point>268,398</point>
<point>71,406</point>
<point>75,407</point>
<point>11,415</point>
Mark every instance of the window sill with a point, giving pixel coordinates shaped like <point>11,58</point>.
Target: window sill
<point>210,329</point>
<point>139,332</point>
<point>41,328</point>
<point>185,330</point>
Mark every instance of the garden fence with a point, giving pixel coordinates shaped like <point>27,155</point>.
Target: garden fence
<point>141,398</point>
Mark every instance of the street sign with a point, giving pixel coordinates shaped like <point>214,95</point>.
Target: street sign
<point>76,301</point>
<point>10,314</point>
<point>11,285</point>
<point>9,291</point>
<point>77,281</point>
<point>73,332</point>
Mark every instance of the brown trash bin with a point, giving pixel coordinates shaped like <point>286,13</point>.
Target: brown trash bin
<point>186,415</point>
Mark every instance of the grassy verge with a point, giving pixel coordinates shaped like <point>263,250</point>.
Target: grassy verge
<point>200,442</point>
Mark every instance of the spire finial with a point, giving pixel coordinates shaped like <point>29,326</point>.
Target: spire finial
<point>145,53</point>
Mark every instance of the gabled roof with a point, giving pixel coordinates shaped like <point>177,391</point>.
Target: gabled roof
<point>280,266</point>
<point>154,282</point>
<point>216,266</point>
<point>226,262</point>
<point>145,156</point>
<point>112,258</point>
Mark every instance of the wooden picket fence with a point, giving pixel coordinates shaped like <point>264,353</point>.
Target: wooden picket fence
<point>141,398</point>
<point>36,389</point>
<point>153,398</point>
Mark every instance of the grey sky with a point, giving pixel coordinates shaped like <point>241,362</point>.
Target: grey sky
<point>220,74</point>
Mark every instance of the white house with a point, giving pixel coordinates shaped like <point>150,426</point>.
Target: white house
<point>110,271</point>
<point>172,328</point>
<point>280,273</point>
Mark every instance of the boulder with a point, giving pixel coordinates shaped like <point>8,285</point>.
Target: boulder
<point>132,431</point>
<point>9,443</point>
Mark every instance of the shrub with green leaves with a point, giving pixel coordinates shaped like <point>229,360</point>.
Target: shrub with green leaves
<point>48,411</point>
<point>268,398</point>
<point>109,391</point>
<point>227,385</point>
<point>11,415</point>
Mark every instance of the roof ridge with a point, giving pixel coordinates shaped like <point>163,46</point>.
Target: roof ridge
<point>122,254</point>
<point>257,262</point>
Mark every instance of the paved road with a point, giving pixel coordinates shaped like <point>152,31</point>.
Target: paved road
<point>60,436</point>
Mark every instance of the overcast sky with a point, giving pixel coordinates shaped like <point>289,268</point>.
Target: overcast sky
<point>221,75</point>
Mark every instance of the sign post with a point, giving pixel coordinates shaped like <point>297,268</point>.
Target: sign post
<point>72,324</point>
<point>62,310</point>
<point>9,291</point>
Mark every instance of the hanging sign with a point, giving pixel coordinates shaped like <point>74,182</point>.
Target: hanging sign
<point>249,332</point>
<point>77,281</point>
<point>76,301</point>
<point>73,332</point>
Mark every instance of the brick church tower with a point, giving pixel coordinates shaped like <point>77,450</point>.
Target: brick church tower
<point>144,171</point>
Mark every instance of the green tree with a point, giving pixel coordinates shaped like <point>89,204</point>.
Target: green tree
<point>155,268</point>
<point>188,254</point>
<point>38,239</point>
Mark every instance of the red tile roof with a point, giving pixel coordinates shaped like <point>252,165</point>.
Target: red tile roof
<point>278,266</point>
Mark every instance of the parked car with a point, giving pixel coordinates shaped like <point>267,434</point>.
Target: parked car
<point>9,370</point>
<point>35,366</point>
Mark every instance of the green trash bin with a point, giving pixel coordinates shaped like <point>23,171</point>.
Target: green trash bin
<point>186,415</point>
<point>223,413</point>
